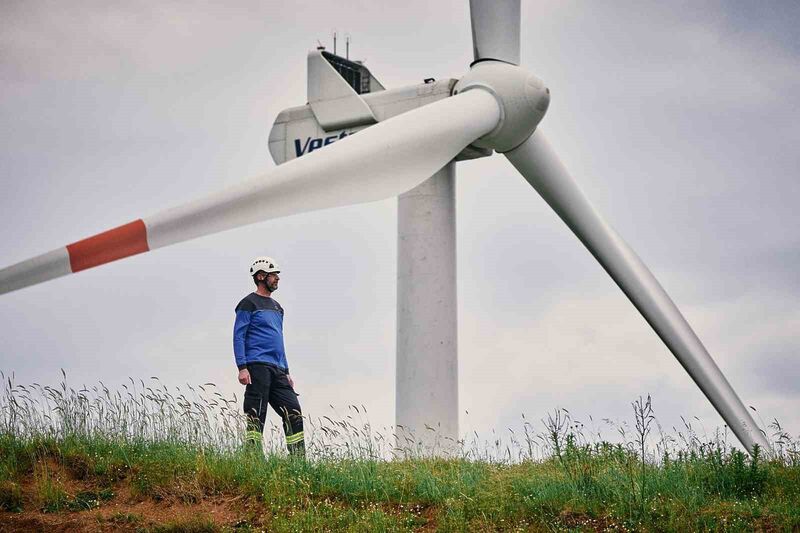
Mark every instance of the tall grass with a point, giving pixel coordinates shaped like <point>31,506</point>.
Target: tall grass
<point>199,417</point>
<point>168,442</point>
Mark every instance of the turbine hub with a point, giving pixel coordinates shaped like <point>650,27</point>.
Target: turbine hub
<point>522,97</point>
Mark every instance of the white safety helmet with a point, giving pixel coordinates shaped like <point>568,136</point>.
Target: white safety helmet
<point>267,264</point>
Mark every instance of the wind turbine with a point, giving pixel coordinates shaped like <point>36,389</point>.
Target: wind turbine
<point>495,106</point>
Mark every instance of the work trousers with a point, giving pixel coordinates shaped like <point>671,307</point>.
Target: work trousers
<point>269,385</point>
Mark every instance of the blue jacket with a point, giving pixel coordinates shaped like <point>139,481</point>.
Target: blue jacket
<point>258,332</point>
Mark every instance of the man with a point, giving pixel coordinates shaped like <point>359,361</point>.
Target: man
<point>261,358</point>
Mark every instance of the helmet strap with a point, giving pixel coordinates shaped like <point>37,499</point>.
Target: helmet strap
<point>261,282</point>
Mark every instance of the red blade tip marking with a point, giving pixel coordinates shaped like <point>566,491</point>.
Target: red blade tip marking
<point>123,241</point>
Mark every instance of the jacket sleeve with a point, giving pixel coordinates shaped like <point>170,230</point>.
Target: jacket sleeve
<point>239,333</point>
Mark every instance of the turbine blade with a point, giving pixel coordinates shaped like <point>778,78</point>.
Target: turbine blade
<point>382,161</point>
<point>495,29</point>
<point>540,166</point>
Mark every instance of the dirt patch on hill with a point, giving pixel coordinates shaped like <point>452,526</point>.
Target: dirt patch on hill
<point>119,515</point>
<point>53,500</point>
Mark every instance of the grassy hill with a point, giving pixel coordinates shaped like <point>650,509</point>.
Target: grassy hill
<point>146,459</point>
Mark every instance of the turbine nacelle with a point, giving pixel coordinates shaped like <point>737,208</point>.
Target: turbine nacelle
<point>522,97</point>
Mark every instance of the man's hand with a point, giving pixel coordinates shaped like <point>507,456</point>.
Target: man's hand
<point>291,381</point>
<point>244,377</point>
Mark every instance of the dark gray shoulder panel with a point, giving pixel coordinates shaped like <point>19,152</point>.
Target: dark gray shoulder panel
<point>246,305</point>
<point>256,302</point>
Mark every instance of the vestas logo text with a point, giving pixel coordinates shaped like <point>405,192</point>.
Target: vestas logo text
<point>312,144</point>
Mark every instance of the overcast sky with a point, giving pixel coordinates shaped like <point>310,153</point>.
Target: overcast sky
<point>681,121</point>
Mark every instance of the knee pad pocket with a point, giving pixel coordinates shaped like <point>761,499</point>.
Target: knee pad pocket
<point>253,403</point>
